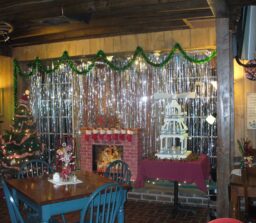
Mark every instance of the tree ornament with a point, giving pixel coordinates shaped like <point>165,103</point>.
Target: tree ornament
<point>13,162</point>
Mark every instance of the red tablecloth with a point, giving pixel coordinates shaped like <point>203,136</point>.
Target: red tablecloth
<point>196,171</point>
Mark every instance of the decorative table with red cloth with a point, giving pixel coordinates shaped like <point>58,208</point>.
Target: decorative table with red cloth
<point>196,171</point>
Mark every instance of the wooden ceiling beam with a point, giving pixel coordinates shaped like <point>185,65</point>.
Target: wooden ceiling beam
<point>219,8</point>
<point>48,10</point>
<point>108,22</point>
<point>140,24</point>
<point>37,21</point>
<point>97,33</point>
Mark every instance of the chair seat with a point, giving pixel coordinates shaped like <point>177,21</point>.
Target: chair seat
<point>225,220</point>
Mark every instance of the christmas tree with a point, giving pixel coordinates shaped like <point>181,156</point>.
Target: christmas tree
<point>20,143</point>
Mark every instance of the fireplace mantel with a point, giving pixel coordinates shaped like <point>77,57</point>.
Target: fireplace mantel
<point>130,139</point>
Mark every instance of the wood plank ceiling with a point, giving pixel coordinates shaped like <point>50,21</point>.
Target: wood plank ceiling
<point>45,21</point>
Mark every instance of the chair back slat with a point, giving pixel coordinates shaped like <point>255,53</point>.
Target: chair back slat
<point>103,205</point>
<point>119,172</point>
<point>34,168</point>
<point>14,212</point>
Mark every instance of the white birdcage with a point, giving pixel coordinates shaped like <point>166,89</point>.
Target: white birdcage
<point>173,135</point>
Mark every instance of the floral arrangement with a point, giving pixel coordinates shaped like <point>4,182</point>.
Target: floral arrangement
<point>247,152</point>
<point>65,160</point>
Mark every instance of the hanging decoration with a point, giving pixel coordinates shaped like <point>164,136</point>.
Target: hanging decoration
<point>57,105</point>
<point>37,65</point>
<point>250,72</point>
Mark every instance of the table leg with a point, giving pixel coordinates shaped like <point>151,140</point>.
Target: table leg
<point>234,203</point>
<point>175,197</point>
<point>175,194</point>
<point>44,215</point>
<point>176,206</point>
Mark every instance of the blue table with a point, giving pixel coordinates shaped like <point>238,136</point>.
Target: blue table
<point>49,200</point>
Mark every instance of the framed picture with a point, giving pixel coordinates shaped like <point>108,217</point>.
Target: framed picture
<point>1,102</point>
<point>251,110</point>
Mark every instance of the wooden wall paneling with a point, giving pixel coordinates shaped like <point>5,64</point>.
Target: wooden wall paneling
<point>199,37</point>
<point>95,45</point>
<point>168,40</point>
<point>224,114</point>
<point>109,44</point>
<point>242,86</point>
<point>240,104</point>
<point>183,37</point>
<point>149,41</point>
<point>143,41</point>
<point>156,40</point>
<point>129,42</point>
<point>6,82</point>
<point>212,36</point>
<point>82,46</point>
<point>117,44</point>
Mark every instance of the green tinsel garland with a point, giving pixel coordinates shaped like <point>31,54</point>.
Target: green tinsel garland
<point>37,65</point>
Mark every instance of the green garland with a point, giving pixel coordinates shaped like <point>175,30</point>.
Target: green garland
<point>37,65</point>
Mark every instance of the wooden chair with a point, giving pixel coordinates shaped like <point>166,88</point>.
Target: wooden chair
<point>34,168</point>
<point>13,209</point>
<point>103,205</point>
<point>119,172</point>
<point>14,212</point>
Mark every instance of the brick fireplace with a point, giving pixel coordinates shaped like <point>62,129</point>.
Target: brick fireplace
<point>130,140</point>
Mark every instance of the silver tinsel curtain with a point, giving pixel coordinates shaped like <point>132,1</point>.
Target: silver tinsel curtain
<point>63,102</point>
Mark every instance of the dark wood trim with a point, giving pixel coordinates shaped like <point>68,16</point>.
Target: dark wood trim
<point>219,8</point>
<point>52,9</point>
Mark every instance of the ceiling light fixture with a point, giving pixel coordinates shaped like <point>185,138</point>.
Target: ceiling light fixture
<point>5,30</point>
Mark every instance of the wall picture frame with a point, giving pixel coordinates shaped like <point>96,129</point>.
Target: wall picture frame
<point>251,110</point>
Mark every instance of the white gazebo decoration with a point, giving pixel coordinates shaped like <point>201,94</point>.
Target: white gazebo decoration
<point>173,133</point>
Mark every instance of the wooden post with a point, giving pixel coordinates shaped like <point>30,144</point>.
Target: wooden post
<point>225,114</point>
